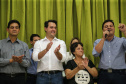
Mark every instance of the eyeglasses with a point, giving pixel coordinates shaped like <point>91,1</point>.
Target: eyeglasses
<point>107,26</point>
<point>12,27</point>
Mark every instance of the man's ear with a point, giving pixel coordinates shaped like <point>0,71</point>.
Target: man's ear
<point>45,29</point>
<point>31,42</point>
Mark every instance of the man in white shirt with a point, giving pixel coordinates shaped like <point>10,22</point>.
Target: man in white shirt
<point>50,52</point>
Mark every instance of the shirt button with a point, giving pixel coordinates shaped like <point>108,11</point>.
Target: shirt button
<point>109,56</point>
<point>109,51</point>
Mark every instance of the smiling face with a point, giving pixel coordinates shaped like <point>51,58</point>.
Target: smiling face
<point>13,29</point>
<point>51,30</point>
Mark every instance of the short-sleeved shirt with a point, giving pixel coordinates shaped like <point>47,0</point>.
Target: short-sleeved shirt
<point>72,65</point>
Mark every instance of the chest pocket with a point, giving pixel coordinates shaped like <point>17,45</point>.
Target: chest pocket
<point>19,52</point>
<point>117,46</point>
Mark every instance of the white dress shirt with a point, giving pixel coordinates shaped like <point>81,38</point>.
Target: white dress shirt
<point>49,61</point>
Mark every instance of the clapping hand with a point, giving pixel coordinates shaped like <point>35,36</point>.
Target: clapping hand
<point>85,62</point>
<point>57,49</point>
<point>17,58</point>
<point>81,65</point>
<point>49,46</point>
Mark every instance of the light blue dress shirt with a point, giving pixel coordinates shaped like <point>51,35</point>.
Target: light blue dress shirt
<point>33,67</point>
<point>7,50</point>
<point>113,53</point>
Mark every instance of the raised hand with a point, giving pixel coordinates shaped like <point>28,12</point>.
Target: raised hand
<point>81,65</point>
<point>57,49</point>
<point>122,27</point>
<point>85,62</point>
<point>49,46</point>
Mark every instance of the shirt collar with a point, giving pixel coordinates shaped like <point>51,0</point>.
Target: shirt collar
<point>112,38</point>
<point>31,49</point>
<point>17,40</point>
<point>52,40</point>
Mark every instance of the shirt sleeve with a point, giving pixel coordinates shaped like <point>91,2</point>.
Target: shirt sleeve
<point>90,64</point>
<point>26,59</point>
<point>3,61</point>
<point>94,52</point>
<point>63,51</point>
<point>124,42</point>
<point>36,51</point>
<point>68,65</point>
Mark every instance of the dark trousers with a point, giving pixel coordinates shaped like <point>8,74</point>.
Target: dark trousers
<point>114,77</point>
<point>31,79</point>
<point>7,79</point>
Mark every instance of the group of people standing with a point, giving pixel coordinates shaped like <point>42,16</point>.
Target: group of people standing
<point>43,63</point>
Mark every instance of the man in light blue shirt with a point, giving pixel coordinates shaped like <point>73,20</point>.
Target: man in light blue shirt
<point>111,50</point>
<point>32,70</point>
<point>14,56</point>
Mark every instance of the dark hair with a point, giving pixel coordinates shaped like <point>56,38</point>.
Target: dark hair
<point>74,45</point>
<point>46,22</point>
<point>106,22</point>
<point>13,21</point>
<point>33,35</point>
<point>72,41</point>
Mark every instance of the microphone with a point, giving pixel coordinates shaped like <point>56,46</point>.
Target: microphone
<point>106,34</point>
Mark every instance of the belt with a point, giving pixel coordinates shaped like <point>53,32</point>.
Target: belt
<point>113,70</point>
<point>50,72</point>
<point>32,75</point>
<point>13,74</point>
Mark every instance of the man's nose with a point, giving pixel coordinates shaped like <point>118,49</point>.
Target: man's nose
<point>54,28</point>
<point>109,28</point>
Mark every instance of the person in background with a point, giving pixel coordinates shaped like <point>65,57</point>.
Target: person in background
<point>80,70</point>
<point>111,50</point>
<point>50,52</point>
<point>32,69</point>
<point>14,56</point>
